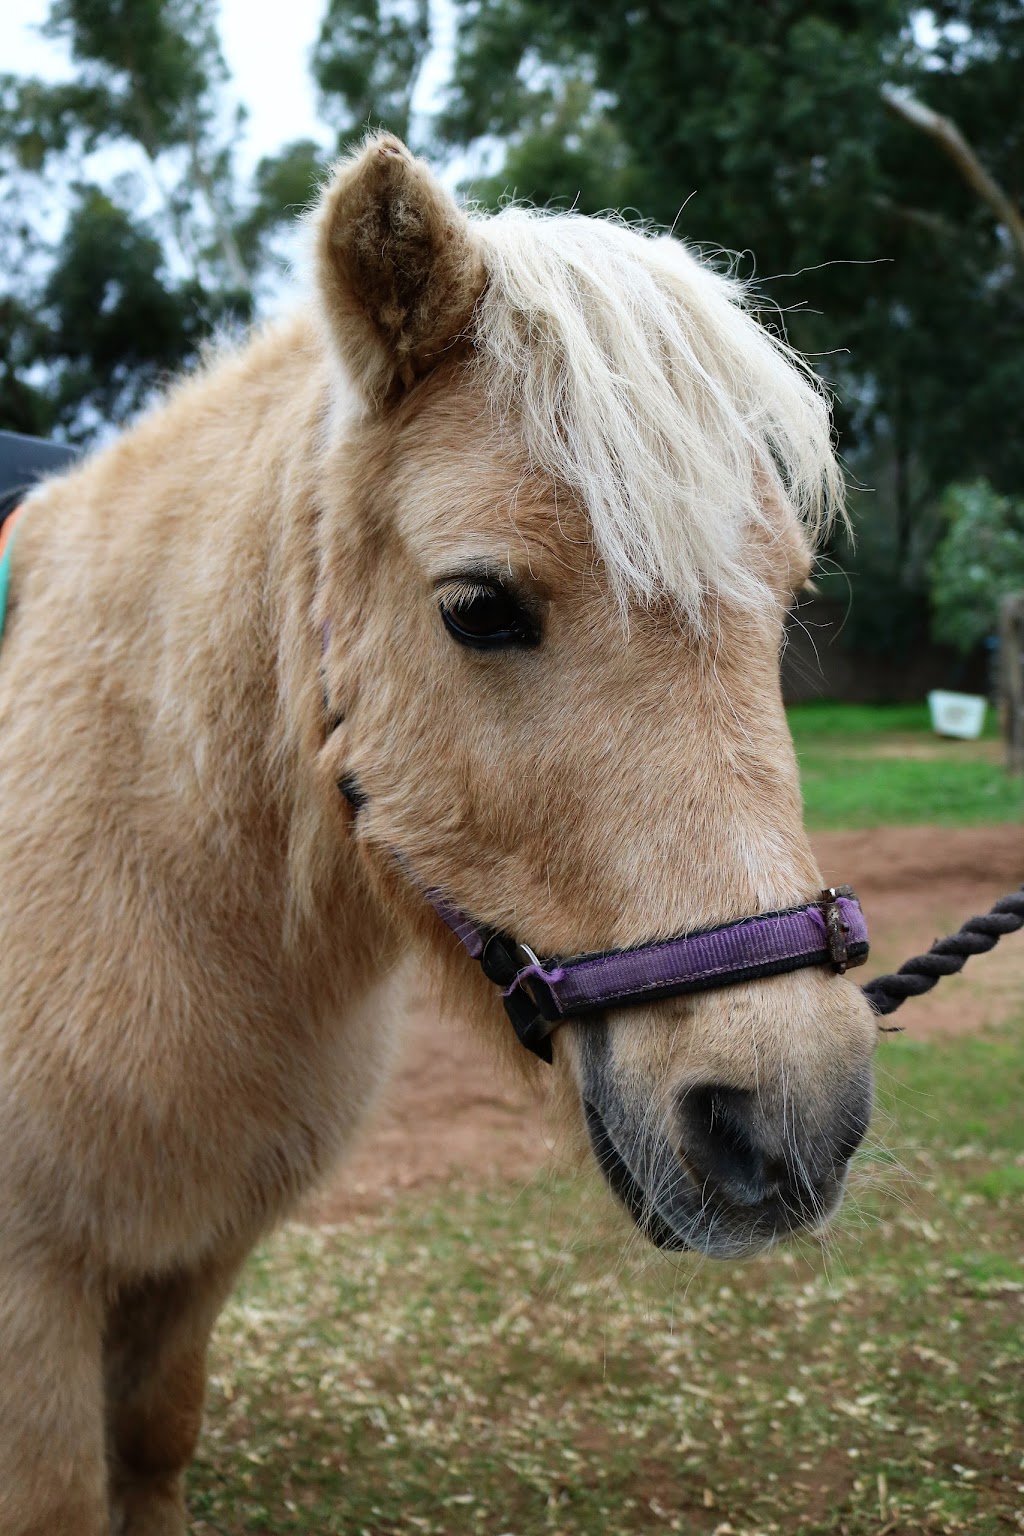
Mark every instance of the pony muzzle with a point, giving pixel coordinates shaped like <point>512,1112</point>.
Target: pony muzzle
<point>726,1171</point>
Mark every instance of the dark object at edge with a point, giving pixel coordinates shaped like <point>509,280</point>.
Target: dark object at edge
<point>23,461</point>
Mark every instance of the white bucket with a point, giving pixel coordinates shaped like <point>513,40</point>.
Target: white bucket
<point>957,714</point>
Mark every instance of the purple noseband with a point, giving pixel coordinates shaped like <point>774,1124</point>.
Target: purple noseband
<point>541,994</point>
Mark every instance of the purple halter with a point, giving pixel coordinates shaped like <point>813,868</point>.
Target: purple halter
<point>541,994</point>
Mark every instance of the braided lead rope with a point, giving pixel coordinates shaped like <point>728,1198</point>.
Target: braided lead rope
<point>946,957</point>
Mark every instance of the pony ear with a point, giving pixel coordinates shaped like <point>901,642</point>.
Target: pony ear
<point>398,266</point>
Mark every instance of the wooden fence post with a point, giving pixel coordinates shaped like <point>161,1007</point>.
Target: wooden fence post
<point>1011,674</point>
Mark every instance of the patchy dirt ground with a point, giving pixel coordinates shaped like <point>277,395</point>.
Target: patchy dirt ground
<point>451,1115</point>
<point>900,745</point>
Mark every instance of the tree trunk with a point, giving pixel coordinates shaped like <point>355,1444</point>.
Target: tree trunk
<point>1011,672</point>
<point>223,233</point>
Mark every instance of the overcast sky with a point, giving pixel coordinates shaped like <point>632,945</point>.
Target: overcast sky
<point>267,48</point>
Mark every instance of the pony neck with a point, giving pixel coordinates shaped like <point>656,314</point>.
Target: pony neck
<point>193,546</point>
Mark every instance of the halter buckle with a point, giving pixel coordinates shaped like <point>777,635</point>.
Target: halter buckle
<point>528,1003</point>
<point>836,930</point>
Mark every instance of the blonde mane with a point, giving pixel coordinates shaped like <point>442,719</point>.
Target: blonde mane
<point>642,382</point>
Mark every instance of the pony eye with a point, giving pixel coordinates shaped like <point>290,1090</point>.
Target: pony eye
<point>488,617</point>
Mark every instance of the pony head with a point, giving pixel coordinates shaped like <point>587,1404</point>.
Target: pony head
<point>569,487</point>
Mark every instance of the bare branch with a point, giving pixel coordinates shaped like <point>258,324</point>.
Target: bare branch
<point>948,136</point>
<point>921,218</point>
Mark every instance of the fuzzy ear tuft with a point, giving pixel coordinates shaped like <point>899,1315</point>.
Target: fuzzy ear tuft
<point>398,266</point>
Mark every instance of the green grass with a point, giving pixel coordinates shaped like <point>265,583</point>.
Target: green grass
<point>878,765</point>
<point>513,1361</point>
<point>826,717</point>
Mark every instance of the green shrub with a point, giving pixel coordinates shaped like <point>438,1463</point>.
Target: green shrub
<point>979,560</point>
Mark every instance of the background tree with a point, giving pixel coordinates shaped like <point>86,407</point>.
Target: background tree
<point>767,129</point>
<point>366,63</point>
<point>125,235</point>
<point>978,562</point>
<point>780,131</point>
<point>777,130</point>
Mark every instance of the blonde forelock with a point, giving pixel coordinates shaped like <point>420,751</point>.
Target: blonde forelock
<point>640,380</point>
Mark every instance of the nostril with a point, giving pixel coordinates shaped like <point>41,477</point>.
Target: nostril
<point>720,1145</point>
<point>751,1153</point>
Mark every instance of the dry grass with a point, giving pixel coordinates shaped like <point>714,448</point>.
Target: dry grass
<point>497,1362</point>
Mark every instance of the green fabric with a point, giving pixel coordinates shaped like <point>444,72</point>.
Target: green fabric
<point>5,576</point>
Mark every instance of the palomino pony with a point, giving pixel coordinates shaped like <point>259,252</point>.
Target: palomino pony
<point>468,580</point>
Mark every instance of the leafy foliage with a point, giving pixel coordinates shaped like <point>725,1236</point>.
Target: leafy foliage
<point>150,68</point>
<point>148,257</point>
<point>115,324</point>
<point>284,185</point>
<point>366,62</point>
<point>979,561</point>
<point>765,129</point>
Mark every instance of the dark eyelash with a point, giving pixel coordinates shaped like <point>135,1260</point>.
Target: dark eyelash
<point>486,615</point>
